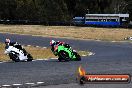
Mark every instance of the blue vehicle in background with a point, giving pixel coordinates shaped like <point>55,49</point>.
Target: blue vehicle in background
<point>105,20</point>
<point>78,20</point>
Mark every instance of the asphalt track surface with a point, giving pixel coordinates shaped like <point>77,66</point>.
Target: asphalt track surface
<point>109,58</point>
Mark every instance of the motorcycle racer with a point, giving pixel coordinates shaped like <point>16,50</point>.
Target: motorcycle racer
<point>16,52</point>
<point>64,51</point>
<point>8,42</point>
<point>53,43</point>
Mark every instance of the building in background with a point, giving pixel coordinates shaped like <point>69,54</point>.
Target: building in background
<point>111,20</point>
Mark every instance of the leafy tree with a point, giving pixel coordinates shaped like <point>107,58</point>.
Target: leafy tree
<point>7,9</point>
<point>60,10</point>
<point>26,10</point>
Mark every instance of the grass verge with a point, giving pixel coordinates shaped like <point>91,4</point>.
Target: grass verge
<point>107,34</point>
<point>36,52</point>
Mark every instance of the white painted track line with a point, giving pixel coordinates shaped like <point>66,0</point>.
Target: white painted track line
<point>29,83</point>
<point>6,85</point>
<point>40,82</point>
<point>16,84</point>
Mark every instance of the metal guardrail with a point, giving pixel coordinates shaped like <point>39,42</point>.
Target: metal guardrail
<point>36,22</point>
<point>53,23</point>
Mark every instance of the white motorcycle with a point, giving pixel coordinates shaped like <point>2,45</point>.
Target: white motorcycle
<point>17,55</point>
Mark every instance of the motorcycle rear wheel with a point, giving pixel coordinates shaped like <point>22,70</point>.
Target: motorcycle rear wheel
<point>64,56</point>
<point>14,57</point>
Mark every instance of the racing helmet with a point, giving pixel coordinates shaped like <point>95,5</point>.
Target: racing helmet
<point>7,41</point>
<point>52,42</point>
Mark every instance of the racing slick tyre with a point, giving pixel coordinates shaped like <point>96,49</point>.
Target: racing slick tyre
<point>14,57</point>
<point>59,59</point>
<point>78,57</point>
<point>30,58</point>
<point>63,56</point>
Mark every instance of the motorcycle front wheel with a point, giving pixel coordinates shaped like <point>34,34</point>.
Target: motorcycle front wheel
<point>30,58</point>
<point>78,57</point>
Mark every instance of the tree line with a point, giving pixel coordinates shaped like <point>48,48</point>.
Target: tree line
<point>59,10</point>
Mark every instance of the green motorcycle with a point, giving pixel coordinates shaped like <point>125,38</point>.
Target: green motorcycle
<point>66,53</point>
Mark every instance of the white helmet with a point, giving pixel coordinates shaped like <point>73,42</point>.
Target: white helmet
<point>7,41</point>
<point>52,42</point>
